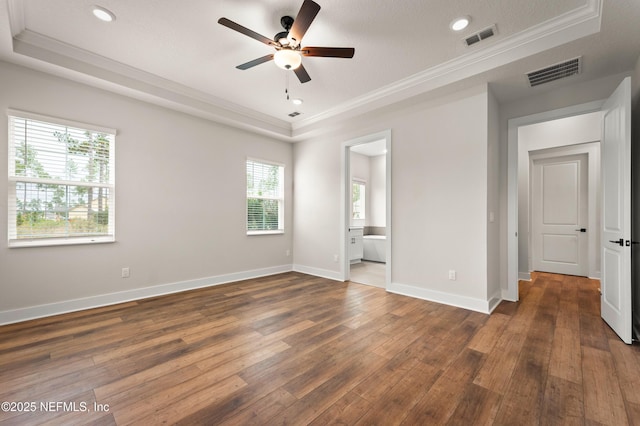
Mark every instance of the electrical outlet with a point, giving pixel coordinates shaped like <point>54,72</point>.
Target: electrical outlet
<point>125,272</point>
<point>452,274</point>
<point>287,252</point>
<point>335,257</point>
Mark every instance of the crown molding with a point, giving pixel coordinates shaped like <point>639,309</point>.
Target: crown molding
<point>147,86</point>
<point>104,72</point>
<point>562,29</point>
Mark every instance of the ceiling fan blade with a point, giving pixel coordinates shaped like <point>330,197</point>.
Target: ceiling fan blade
<point>329,52</point>
<point>302,74</point>
<point>255,62</point>
<point>301,23</point>
<point>246,31</point>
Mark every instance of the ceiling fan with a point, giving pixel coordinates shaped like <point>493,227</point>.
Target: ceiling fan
<point>288,54</point>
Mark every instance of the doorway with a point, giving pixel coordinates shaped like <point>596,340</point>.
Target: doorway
<point>565,219</point>
<point>615,246</point>
<point>519,145</point>
<point>366,183</point>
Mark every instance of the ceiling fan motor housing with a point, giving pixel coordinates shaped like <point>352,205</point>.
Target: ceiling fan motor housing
<point>286,22</point>
<point>281,37</point>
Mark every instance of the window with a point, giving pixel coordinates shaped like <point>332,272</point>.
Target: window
<point>265,197</point>
<point>358,198</point>
<point>61,182</point>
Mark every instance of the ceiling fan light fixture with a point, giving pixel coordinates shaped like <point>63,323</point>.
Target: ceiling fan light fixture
<point>460,23</point>
<point>103,14</point>
<point>287,59</point>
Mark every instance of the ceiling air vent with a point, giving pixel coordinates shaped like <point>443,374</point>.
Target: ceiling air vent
<point>294,114</point>
<point>481,35</point>
<point>555,72</point>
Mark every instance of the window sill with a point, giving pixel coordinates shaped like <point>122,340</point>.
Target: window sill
<point>276,232</point>
<point>60,241</point>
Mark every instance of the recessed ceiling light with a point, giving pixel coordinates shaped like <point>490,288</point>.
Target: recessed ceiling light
<point>297,101</point>
<point>460,23</point>
<point>103,14</point>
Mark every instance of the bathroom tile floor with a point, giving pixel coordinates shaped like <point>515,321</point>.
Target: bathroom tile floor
<point>370,273</point>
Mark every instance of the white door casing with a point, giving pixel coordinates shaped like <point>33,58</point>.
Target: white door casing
<point>559,188</point>
<point>511,293</point>
<point>616,212</point>
<point>346,201</point>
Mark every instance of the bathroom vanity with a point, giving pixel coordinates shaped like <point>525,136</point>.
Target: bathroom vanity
<point>356,249</point>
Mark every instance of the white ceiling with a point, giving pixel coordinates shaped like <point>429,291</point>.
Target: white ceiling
<point>371,149</point>
<point>176,54</point>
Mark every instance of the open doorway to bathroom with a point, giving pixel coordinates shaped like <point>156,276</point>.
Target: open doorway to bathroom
<point>367,210</point>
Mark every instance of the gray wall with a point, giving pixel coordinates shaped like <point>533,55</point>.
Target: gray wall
<point>373,171</point>
<point>180,199</point>
<point>361,170</point>
<point>439,185</point>
<point>378,193</point>
<point>493,198</point>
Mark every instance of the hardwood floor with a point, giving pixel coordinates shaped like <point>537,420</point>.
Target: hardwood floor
<point>295,349</point>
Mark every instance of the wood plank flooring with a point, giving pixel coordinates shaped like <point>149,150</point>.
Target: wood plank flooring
<point>296,349</point>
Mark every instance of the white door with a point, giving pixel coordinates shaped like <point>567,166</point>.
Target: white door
<point>560,215</point>
<point>616,211</point>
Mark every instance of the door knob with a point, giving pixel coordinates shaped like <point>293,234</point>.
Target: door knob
<point>582,229</point>
<point>620,241</point>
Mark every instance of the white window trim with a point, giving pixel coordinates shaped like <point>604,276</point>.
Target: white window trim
<point>12,179</point>
<point>60,121</point>
<point>281,200</point>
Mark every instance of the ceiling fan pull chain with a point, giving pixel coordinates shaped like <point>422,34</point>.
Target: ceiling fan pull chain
<point>286,85</point>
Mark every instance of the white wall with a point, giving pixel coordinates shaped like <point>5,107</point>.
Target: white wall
<point>439,201</point>
<point>576,130</point>
<point>493,200</point>
<point>360,170</point>
<point>180,203</point>
<point>373,171</point>
<point>377,192</point>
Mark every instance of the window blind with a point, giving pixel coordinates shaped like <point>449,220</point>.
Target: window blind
<point>61,182</point>
<point>265,197</point>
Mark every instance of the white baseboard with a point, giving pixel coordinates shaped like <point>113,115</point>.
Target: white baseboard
<point>33,312</point>
<point>494,301</point>
<point>505,296</point>
<point>524,276</point>
<point>318,272</point>
<point>478,305</point>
